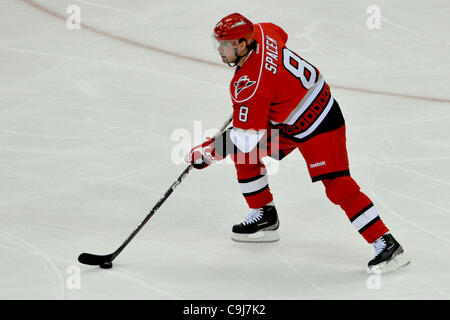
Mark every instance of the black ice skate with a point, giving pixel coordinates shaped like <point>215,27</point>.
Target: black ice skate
<point>260,225</point>
<point>389,255</point>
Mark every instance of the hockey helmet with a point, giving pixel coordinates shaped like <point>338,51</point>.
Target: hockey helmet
<point>234,27</point>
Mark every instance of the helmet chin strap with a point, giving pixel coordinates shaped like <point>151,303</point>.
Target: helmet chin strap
<point>238,58</point>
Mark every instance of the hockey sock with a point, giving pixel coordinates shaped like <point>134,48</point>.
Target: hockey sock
<point>254,184</point>
<point>345,192</point>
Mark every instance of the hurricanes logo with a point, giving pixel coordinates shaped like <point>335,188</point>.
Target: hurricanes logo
<point>243,83</point>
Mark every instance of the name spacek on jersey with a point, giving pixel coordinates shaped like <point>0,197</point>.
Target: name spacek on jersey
<point>276,88</point>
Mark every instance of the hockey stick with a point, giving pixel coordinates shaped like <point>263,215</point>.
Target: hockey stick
<point>95,260</point>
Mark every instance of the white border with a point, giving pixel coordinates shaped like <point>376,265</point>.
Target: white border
<point>260,71</point>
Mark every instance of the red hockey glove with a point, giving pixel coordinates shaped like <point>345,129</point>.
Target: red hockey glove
<point>202,155</point>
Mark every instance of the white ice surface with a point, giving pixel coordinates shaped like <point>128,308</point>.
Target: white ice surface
<point>86,121</point>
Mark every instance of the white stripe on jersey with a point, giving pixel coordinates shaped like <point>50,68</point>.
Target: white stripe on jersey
<point>253,186</point>
<point>304,104</point>
<point>317,122</point>
<point>365,218</point>
<point>309,97</point>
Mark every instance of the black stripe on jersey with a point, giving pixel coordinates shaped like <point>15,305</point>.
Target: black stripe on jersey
<point>331,175</point>
<point>368,225</point>
<point>251,179</point>
<point>223,144</point>
<point>256,192</point>
<point>333,120</point>
<point>361,212</point>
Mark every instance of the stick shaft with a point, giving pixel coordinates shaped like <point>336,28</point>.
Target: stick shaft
<point>163,198</point>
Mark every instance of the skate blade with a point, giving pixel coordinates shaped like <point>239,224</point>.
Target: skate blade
<point>260,236</point>
<point>397,262</point>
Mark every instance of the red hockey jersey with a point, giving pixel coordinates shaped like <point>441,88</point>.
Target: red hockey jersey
<point>276,88</point>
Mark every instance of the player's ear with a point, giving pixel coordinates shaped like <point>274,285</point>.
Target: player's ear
<point>242,44</point>
<point>235,43</point>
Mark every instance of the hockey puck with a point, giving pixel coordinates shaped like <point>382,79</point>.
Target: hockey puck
<point>106,265</point>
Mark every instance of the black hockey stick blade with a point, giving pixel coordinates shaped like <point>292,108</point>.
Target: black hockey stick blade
<point>94,260</point>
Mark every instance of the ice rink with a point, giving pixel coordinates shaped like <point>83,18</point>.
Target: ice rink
<point>91,119</point>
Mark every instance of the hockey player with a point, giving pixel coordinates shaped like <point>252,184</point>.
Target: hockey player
<point>281,102</point>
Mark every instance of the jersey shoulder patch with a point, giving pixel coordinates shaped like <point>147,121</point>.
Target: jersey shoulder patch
<point>245,82</point>
<point>246,79</point>
<point>241,84</point>
<point>260,66</point>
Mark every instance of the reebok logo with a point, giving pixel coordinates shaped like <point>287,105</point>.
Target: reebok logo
<point>317,164</point>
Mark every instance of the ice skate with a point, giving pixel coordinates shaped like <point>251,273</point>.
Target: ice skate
<point>389,255</point>
<point>260,225</point>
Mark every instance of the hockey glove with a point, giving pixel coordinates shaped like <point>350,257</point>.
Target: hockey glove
<point>211,150</point>
<point>202,155</point>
